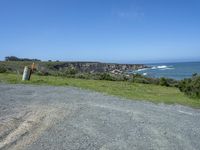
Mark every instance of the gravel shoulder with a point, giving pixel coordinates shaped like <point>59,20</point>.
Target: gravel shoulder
<point>48,118</point>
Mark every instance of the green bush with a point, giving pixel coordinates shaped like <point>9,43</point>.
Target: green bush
<point>2,69</point>
<point>191,86</point>
<point>172,82</point>
<point>70,72</point>
<point>138,78</point>
<point>163,82</point>
<point>42,73</point>
<point>107,76</point>
<point>82,76</point>
<point>141,80</point>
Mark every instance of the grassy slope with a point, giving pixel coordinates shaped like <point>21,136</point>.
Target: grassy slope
<point>153,93</point>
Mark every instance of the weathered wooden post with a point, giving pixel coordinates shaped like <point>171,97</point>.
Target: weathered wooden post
<point>26,73</point>
<point>31,70</point>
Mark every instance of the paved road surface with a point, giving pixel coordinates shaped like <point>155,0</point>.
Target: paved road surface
<point>67,118</point>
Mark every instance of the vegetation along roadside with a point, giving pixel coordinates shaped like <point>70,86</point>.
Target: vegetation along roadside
<point>126,89</point>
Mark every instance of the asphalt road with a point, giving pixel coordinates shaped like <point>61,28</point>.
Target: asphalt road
<point>67,118</point>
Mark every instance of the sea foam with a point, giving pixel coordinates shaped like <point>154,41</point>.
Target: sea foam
<point>163,67</point>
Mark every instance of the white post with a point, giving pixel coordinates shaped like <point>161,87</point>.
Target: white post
<point>26,73</point>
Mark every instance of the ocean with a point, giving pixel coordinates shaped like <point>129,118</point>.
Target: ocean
<point>176,71</point>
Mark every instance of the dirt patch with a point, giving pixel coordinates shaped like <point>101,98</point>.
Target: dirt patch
<point>16,133</point>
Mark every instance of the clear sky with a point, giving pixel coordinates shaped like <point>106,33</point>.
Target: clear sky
<point>132,31</point>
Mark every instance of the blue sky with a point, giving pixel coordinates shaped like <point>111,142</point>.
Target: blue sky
<point>130,31</point>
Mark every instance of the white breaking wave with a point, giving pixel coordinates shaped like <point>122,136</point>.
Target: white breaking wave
<point>163,67</point>
<point>154,67</point>
<point>144,74</point>
<point>166,68</point>
<point>142,69</point>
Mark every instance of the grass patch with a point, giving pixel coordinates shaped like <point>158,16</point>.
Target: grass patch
<point>135,91</point>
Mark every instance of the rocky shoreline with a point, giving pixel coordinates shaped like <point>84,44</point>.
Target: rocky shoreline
<point>98,67</point>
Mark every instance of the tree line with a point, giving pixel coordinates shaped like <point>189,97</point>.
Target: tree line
<point>14,58</point>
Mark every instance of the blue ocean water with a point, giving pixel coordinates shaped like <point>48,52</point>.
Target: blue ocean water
<point>176,71</point>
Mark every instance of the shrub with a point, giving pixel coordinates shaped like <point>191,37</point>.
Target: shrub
<point>82,76</point>
<point>42,73</point>
<point>138,78</point>
<point>163,82</point>
<point>70,71</point>
<point>191,86</point>
<point>107,76</point>
<point>2,69</point>
<point>141,80</point>
<point>172,82</point>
